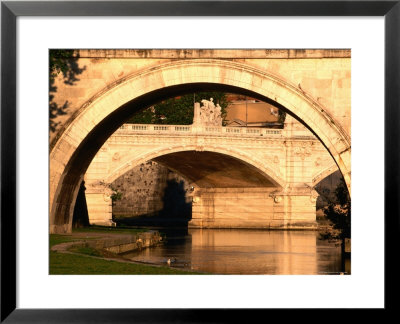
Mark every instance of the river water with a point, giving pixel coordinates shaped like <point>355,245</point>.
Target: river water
<point>224,251</point>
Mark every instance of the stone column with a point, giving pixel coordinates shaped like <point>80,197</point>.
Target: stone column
<point>98,193</point>
<point>99,204</point>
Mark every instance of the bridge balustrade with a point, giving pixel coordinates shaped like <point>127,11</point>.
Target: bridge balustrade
<point>247,131</point>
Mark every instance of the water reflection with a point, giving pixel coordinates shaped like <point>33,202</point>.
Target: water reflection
<point>223,251</point>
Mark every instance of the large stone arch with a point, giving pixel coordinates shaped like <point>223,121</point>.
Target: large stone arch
<point>86,131</point>
<point>134,160</point>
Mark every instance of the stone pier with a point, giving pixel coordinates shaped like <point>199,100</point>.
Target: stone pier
<point>254,208</point>
<point>100,205</point>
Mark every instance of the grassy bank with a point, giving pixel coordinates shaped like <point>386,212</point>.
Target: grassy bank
<point>80,233</point>
<point>62,263</point>
<point>89,260</point>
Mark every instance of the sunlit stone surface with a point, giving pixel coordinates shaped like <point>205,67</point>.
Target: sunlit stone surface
<point>110,85</point>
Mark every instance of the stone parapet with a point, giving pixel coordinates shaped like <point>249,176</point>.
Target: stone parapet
<point>212,53</point>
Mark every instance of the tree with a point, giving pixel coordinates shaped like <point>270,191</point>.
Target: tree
<point>60,62</point>
<point>282,116</point>
<point>66,63</point>
<point>338,212</point>
<point>116,194</point>
<point>178,110</point>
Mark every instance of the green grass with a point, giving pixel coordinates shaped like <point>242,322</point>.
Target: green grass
<point>85,250</point>
<point>62,263</point>
<point>58,239</point>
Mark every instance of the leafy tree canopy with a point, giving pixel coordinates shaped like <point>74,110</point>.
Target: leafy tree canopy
<point>338,212</point>
<point>282,116</point>
<point>179,110</point>
<point>59,62</point>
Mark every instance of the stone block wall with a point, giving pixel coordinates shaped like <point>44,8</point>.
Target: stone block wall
<point>313,84</point>
<point>253,208</point>
<point>324,74</point>
<point>99,207</point>
<point>151,189</point>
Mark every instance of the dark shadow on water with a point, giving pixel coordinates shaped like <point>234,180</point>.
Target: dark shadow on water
<point>175,213</point>
<point>175,205</point>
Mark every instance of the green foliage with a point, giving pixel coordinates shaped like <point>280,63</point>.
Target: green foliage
<point>65,62</point>
<point>339,212</point>
<point>116,195</point>
<point>59,62</point>
<point>177,111</point>
<point>282,116</point>
<point>145,116</point>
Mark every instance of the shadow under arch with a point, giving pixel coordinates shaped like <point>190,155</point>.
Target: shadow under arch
<point>273,175</point>
<point>86,131</point>
<point>205,168</point>
<point>165,203</point>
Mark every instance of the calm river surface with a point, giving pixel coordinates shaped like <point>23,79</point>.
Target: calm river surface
<point>224,251</point>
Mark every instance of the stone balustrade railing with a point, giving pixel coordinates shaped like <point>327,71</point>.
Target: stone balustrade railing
<point>174,129</point>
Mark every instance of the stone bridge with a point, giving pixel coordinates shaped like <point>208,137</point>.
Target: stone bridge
<point>103,88</point>
<point>242,176</point>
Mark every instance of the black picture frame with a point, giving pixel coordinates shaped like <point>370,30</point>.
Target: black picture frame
<point>10,10</point>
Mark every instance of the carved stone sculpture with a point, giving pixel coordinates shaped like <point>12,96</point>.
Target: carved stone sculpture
<point>208,114</point>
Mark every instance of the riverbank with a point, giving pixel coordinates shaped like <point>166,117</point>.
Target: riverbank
<point>96,251</point>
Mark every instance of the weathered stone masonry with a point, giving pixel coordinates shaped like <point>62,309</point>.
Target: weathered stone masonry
<point>143,190</point>
<point>242,177</point>
<point>313,85</point>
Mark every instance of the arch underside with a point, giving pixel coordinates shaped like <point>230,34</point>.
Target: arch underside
<point>211,170</point>
<point>211,167</point>
<point>88,129</point>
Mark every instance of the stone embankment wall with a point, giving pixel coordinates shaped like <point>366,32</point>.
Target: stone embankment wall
<point>137,242</point>
<point>151,189</point>
<point>117,244</point>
